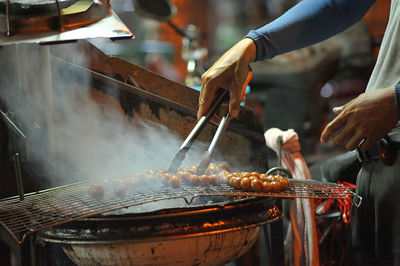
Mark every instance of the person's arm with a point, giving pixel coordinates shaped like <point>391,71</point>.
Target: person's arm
<point>307,23</point>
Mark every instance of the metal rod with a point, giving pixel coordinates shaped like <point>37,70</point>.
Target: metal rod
<point>179,30</point>
<point>12,125</point>
<point>8,32</point>
<point>18,175</point>
<point>280,141</point>
<point>60,26</point>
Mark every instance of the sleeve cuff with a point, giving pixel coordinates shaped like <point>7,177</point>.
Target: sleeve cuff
<point>260,50</point>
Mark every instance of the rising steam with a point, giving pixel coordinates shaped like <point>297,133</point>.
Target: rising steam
<point>69,133</point>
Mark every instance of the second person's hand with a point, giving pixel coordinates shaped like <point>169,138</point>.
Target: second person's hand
<point>228,72</point>
<point>363,121</point>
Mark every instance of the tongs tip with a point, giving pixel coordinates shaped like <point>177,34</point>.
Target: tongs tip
<point>204,163</point>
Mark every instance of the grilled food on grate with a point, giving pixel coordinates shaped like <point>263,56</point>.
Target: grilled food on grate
<point>257,182</point>
<point>215,174</point>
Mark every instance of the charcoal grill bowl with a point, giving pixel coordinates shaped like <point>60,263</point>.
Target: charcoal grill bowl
<point>204,235</point>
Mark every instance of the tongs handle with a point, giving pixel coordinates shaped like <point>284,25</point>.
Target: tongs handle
<point>203,165</point>
<point>207,157</point>
<point>224,96</point>
<point>187,144</point>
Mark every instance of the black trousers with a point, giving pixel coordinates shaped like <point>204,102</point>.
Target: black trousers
<point>374,237</point>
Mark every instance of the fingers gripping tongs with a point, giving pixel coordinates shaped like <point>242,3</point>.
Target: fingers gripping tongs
<point>187,144</point>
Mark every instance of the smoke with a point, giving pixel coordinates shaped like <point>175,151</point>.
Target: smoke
<point>73,132</point>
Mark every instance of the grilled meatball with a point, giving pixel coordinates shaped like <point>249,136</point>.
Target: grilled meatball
<point>96,190</point>
<point>120,189</point>
<point>256,185</point>
<point>267,186</point>
<point>174,181</point>
<point>245,183</point>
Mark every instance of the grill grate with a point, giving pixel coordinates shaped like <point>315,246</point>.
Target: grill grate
<point>47,208</point>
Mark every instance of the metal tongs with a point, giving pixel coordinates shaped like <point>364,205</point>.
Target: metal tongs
<point>187,144</point>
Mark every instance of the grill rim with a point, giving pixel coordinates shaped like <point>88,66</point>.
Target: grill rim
<point>237,216</point>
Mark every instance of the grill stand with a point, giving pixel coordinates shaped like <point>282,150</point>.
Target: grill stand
<point>273,234</point>
<point>20,254</point>
<point>15,157</point>
<point>32,252</point>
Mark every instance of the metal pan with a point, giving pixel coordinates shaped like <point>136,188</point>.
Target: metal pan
<point>20,7</point>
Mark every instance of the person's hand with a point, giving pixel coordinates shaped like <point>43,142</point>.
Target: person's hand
<point>364,120</point>
<point>228,72</point>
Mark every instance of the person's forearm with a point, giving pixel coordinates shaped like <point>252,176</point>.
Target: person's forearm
<point>307,23</point>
